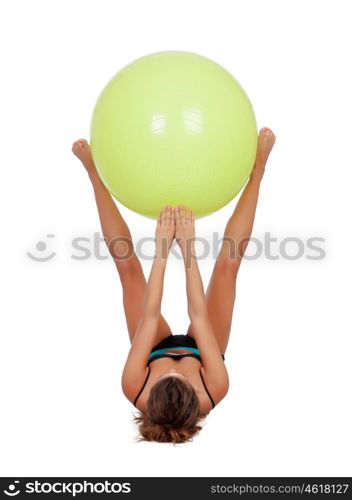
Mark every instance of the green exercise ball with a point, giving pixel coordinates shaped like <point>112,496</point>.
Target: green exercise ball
<point>173,128</point>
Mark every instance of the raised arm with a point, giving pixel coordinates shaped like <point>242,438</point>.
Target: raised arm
<point>144,339</point>
<point>214,368</point>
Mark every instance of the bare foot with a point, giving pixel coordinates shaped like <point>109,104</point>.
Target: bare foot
<point>266,141</point>
<point>82,150</point>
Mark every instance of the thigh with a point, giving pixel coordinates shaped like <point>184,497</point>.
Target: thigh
<point>133,286</point>
<point>220,297</point>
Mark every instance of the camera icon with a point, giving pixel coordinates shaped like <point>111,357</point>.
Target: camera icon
<point>13,489</point>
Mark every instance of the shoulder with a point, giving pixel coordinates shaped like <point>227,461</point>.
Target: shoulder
<point>217,386</point>
<point>133,384</point>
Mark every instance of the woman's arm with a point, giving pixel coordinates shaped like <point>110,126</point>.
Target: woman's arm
<point>144,339</point>
<point>215,372</point>
<point>214,368</point>
<point>145,336</point>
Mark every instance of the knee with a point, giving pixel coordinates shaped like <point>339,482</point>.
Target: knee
<point>121,250</point>
<point>228,267</point>
<point>127,268</point>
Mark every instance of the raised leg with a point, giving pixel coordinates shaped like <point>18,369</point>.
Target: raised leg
<point>119,242</point>
<point>221,290</point>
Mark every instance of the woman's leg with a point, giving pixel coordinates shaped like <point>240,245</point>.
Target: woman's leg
<point>222,286</point>
<point>119,242</point>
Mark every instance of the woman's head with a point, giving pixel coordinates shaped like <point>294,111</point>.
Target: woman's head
<point>173,411</point>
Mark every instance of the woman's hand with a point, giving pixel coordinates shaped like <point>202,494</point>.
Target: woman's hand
<point>165,230</point>
<point>184,231</point>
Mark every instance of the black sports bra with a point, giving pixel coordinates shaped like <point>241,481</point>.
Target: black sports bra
<point>176,357</point>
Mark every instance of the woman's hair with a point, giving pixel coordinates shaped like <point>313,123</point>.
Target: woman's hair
<point>172,414</point>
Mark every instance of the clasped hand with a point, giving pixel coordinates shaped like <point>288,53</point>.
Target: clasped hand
<point>174,223</point>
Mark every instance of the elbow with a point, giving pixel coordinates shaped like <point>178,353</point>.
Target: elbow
<point>197,313</point>
<point>152,304</point>
<point>152,310</point>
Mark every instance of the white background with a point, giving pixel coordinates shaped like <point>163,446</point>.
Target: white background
<point>64,339</point>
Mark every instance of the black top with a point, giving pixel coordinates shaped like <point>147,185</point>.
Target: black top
<point>172,341</point>
<point>176,357</point>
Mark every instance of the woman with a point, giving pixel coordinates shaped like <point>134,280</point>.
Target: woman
<point>176,380</point>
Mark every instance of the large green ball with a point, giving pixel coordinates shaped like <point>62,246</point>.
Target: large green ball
<point>173,128</point>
